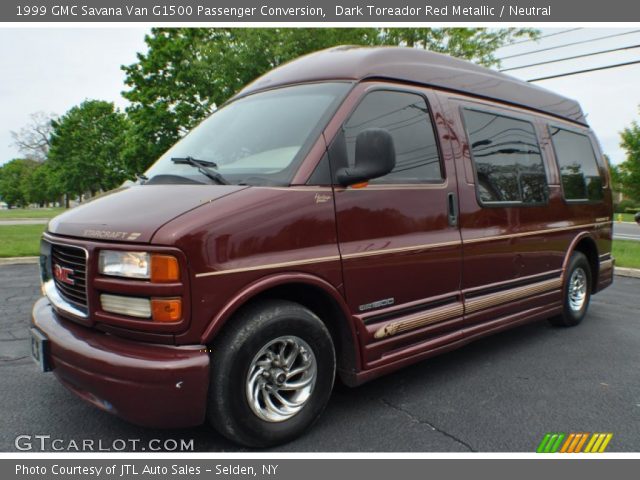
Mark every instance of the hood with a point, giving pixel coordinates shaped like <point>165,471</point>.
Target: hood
<point>135,213</point>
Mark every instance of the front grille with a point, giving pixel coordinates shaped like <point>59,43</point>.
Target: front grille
<point>72,265</point>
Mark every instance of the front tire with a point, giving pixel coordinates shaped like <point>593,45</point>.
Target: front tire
<point>577,292</point>
<point>272,372</point>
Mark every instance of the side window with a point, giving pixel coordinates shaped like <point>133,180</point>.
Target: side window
<point>507,159</point>
<point>406,117</point>
<point>579,170</point>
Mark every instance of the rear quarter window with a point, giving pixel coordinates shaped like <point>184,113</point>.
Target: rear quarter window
<point>579,170</point>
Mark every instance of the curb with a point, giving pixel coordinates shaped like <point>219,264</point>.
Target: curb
<point>627,272</point>
<point>19,260</point>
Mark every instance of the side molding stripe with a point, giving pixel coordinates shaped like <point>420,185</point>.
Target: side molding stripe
<point>499,298</point>
<point>420,320</point>
<point>448,312</point>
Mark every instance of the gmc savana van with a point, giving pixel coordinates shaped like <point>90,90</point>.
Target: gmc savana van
<point>351,212</point>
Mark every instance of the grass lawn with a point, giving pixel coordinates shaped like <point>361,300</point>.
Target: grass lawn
<point>16,213</point>
<point>20,240</point>
<point>626,253</point>
<point>626,217</point>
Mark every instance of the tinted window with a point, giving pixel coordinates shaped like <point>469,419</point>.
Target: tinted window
<point>579,170</point>
<point>406,117</point>
<point>507,157</point>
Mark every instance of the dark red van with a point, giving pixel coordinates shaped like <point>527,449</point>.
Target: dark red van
<point>351,212</point>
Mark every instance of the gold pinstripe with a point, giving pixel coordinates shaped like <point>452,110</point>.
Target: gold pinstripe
<point>412,248</point>
<point>270,265</point>
<point>527,234</point>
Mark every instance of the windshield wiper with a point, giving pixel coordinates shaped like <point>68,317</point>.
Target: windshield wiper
<point>141,178</point>
<point>204,167</point>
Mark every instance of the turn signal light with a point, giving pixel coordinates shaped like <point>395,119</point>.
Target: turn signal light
<point>164,268</point>
<point>360,185</point>
<point>166,309</point>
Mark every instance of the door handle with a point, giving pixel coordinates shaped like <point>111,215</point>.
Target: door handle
<point>452,204</point>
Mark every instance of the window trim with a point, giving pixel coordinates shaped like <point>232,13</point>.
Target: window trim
<point>530,120</point>
<point>575,201</point>
<point>381,88</point>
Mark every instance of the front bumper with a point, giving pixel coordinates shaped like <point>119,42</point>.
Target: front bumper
<point>146,384</point>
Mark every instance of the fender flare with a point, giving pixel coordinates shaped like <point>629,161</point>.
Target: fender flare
<point>265,283</point>
<point>572,246</point>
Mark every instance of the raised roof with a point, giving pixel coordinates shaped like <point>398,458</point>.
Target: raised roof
<point>420,67</point>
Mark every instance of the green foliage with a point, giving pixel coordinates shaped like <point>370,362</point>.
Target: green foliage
<point>86,152</point>
<point>42,186</point>
<point>15,176</point>
<point>476,44</point>
<point>629,170</point>
<point>626,206</point>
<point>187,72</point>
<point>614,174</point>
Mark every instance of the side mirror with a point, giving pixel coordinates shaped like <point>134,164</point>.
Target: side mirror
<point>637,217</point>
<point>375,157</point>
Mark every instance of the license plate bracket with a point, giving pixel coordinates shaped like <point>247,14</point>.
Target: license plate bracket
<point>40,349</point>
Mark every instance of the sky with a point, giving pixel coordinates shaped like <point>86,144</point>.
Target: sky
<point>51,70</point>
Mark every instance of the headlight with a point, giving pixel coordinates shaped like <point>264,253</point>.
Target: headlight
<point>158,268</point>
<point>125,264</point>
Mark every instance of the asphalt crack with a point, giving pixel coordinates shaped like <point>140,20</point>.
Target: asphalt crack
<point>417,420</point>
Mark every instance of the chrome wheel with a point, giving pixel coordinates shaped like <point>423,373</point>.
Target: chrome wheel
<point>281,379</point>
<point>577,289</point>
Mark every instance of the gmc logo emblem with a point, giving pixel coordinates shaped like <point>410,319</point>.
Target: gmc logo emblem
<point>63,274</point>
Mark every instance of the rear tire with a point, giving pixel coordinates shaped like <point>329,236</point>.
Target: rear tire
<point>577,292</point>
<point>272,372</point>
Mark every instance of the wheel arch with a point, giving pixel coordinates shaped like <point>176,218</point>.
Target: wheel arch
<point>312,292</point>
<point>585,244</point>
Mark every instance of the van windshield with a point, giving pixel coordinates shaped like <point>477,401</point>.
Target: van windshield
<point>257,140</point>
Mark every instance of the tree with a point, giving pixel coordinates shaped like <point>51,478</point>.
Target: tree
<point>87,145</point>
<point>187,72</point>
<point>476,44</point>
<point>42,186</point>
<point>14,175</point>
<point>33,140</point>
<point>629,170</point>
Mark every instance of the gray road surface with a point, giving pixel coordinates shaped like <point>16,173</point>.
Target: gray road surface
<point>501,393</point>
<point>626,231</point>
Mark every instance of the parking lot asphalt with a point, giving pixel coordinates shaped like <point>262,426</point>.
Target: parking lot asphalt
<point>626,231</point>
<point>501,393</point>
